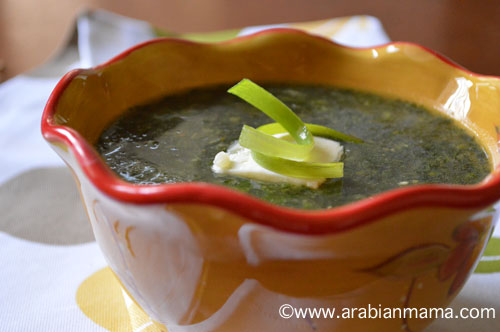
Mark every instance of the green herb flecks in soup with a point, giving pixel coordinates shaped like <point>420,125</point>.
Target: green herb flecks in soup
<point>176,139</point>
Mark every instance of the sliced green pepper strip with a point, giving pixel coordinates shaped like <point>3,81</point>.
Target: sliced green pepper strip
<point>299,169</point>
<point>255,140</point>
<point>274,108</point>
<point>316,130</point>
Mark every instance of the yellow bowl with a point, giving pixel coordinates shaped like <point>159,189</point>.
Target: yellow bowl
<point>200,257</point>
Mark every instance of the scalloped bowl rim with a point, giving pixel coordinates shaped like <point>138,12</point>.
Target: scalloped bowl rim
<point>287,219</point>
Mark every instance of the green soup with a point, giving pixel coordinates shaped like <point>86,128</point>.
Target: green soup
<point>175,140</point>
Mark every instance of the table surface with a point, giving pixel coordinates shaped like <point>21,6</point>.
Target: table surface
<point>466,31</point>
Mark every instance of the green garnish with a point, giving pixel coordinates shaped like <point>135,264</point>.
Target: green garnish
<point>276,154</point>
<point>299,169</point>
<point>258,141</point>
<point>274,108</point>
<point>316,130</point>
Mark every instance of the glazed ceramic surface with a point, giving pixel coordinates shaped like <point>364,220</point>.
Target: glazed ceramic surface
<point>198,257</point>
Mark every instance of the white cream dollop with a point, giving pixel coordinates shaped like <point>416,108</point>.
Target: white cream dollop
<point>238,161</point>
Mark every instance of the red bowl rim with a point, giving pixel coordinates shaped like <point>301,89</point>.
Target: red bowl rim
<point>293,220</point>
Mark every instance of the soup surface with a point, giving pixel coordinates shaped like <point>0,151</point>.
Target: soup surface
<point>175,140</point>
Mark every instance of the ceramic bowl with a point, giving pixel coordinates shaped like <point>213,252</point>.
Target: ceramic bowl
<point>200,257</point>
